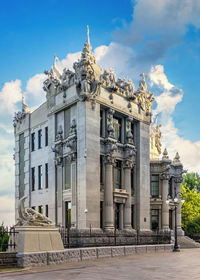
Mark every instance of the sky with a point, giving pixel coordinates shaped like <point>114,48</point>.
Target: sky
<point>160,38</point>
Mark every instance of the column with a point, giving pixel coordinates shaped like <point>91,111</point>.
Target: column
<point>177,182</point>
<point>165,206</point>
<point>108,194</point>
<point>127,184</point>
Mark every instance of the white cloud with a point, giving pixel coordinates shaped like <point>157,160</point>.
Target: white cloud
<point>10,94</point>
<point>166,103</point>
<point>34,90</point>
<point>156,26</point>
<point>68,61</point>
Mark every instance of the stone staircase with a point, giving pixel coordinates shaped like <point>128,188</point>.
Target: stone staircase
<point>187,242</point>
<point>8,260</point>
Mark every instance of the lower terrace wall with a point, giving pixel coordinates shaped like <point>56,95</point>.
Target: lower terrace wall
<point>81,254</point>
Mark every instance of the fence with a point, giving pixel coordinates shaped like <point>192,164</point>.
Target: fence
<point>7,239</point>
<point>94,238</point>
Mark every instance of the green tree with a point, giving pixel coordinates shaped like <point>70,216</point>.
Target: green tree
<point>192,181</point>
<point>191,206</point>
<point>4,238</point>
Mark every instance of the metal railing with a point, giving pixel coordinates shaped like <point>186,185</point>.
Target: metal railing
<point>92,238</point>
<point>8,237</point>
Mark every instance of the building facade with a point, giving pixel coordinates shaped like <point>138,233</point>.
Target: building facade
<point>89,157</point>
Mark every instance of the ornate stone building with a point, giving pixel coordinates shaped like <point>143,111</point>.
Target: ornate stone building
<point>83,157</point>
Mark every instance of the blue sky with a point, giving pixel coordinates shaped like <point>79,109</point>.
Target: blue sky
<point>160,38</point>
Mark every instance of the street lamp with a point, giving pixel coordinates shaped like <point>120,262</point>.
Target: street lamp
<point>176,200</point>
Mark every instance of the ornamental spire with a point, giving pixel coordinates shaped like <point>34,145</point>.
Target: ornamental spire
<point>88,35</point>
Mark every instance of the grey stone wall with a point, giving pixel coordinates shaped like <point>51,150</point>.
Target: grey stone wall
<point>75,255</point>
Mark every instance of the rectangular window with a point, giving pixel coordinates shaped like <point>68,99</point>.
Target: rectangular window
<point>39,177</point>
<point>101,214</point>
<point>67,176</point>
<point>46,176</point>
<point>132,216</point>
<point>132,181</point>
<point>33,178</point>
<point>67,122</point>
<point>46,136</point>
<point>67,214</point>
<point>117,124</point>
<point>117,215</point>
<point>40,209</point>
<point>33,142</point>
<point>47,210</point>
<point>101,169</point>
<point>154,185</point>
<point>101,123</point>
<point>117,170</point>
<point>39,138</point>
<point>170,191</point>
<point>155,219</point>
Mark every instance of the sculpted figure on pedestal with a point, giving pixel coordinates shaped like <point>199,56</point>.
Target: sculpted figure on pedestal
<point>30,217</point>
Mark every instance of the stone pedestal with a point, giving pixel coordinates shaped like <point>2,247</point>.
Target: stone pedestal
<point>38,239</point>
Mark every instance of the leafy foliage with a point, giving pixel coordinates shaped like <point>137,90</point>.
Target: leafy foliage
<point>192,181</point>
<point>190,209</point>
<point>193,227</point>
<point>4,237</point>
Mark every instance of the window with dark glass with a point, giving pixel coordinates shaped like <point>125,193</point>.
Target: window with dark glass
<point>67,176</point>
<point>46,176</point>
<point>170,187</point>
<point>67,214</point>
<point>117,215</point>
<point>132,181</point>
<point>154,219</point>
<point>46,136</point>
<point>33,141</point>
<point>67,122</point>
<point>101,123</point>
<point>117,170</point>
<point>132,216</point>
<point>101,214</point>
<point>117,124</point>
<point>132,129</point>
<point>154,185</point>
<point>33,178</point>
<point>39,177</point>
<point>47,210</point>
<point>40,209</point>
<point>39,138</point>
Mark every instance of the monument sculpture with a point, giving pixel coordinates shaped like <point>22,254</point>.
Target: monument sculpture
<point>36,232</point>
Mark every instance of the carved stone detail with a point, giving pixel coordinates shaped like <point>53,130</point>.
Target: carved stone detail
<point>178,179</point>
<point>129,134</point>
<point>30,217</point>
<point>71,142</point>
<point>144,98</point>
<point>20,116</point>
<point>165,176</point>
<point>110,126</point>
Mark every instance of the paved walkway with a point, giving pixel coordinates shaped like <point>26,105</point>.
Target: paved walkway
<point>184,265</point>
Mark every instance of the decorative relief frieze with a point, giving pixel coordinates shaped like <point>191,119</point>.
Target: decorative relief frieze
<point>70,143</point>
<point>89,78</point>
